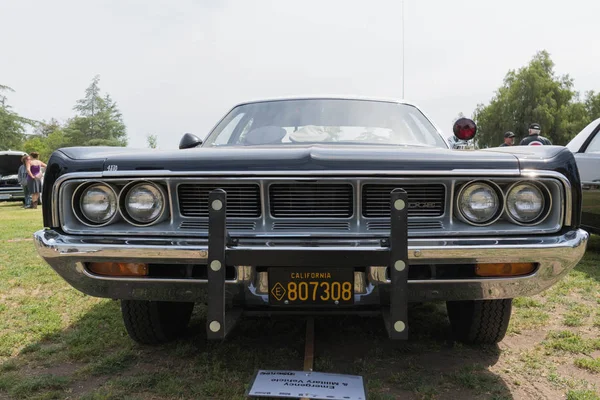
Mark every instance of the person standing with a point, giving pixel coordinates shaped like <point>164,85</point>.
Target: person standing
<point>534,138</point>
<point>34,178</point>
<point>509,139</point>
<point>22,179</point>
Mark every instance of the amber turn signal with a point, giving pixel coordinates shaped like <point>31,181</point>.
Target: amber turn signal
<point>504,269</point>
<point>118,269</point>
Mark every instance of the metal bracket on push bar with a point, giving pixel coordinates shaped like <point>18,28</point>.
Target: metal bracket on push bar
<point>396,316</point>
<point>219,321</point>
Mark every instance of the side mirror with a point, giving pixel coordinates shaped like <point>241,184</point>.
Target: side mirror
<point>189,141</point>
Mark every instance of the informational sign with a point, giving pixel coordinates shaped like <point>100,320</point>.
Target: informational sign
<point>312,385</point>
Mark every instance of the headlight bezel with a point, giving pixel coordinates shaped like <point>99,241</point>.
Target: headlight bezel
<point>123,211</point>
<point>546,208</point>
<point>77,206</point>
<point>495,188</point>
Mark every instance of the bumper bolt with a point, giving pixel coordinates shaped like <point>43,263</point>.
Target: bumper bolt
<point>215,326</point>
<point>399,326</point>
<point>217,205</point>
<point>399,204</point>
<point>399,265</point>
<point>215,265</point>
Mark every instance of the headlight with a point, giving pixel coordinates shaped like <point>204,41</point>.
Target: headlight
<point>144,203</point>
<point>479,203</point>
<point>97,204</point>
<point>525,203</point>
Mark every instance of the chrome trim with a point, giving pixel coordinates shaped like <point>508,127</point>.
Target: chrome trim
<point>494,187</point>
<point>556,255</point>
<point>125,213</point>
<point>88,185</point>
<point>568,199</point>
<point>566,203</point>
<point>536,222</point>
<point>285,173</point>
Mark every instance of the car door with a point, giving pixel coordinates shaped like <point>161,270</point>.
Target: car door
<point>588,163</point>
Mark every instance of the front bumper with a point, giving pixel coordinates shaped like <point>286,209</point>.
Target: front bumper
<point>555,255</point>
<point>8,194</point>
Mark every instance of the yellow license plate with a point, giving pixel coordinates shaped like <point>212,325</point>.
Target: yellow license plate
<point>315,286</point>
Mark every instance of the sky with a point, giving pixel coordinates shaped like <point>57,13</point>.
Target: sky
<point>179,66</point>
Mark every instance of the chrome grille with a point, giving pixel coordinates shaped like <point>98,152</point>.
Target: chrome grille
<point>309,200</point>
<point>312,226</point>
<point>423,200</point>
<point>231,225</point>
<point>243,200</point>
<point>412,225</point>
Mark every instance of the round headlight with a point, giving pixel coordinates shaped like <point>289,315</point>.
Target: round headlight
<point>98,203</point>
<point>144,203</point>
<point>479,203</point>
<point>525,203</point>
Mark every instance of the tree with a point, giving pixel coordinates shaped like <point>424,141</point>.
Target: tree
<point>99,121</point>
<point>152,141</point>
<point>534,93</point>
<point>12,125</point>
<point>592,105</point>
<point>47,137</point>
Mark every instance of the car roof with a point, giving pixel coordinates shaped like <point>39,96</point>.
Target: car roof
<point>330,97</point>
<point>12,153</point>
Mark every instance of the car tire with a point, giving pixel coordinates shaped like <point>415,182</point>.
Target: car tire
<point>155,322</point>
<point>479,321</point>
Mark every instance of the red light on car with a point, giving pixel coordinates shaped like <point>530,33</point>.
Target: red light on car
<point>465,129</point>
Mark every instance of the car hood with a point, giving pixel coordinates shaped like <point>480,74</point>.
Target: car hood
<point>296,158</point>
<point>9,164</point>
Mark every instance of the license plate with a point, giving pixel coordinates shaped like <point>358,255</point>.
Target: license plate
<point>4,196</point>
<point>303,286</point>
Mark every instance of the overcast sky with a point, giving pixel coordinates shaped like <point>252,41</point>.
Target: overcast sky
<point>178,66</point>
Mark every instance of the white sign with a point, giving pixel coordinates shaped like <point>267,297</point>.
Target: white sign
<point>4,196</point>
<point>312,385</point>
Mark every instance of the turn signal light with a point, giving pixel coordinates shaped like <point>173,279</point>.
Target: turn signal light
<point>504,269</point>
<point>118,269</point>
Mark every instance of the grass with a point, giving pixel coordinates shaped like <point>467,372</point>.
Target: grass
<point>56,343</point>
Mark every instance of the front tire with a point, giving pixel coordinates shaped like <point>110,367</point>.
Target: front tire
<point>155,322</point>
<point>479,321</point>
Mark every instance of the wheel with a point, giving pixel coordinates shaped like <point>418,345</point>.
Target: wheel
<point>154,322</point>
<point>479,321</point>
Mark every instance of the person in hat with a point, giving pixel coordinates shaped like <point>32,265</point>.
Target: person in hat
<point>534,138</point>
<point>509,139</point>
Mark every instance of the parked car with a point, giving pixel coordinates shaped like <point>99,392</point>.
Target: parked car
<point>586,147</point>
<point>10,189</point>
<point>313,205</point>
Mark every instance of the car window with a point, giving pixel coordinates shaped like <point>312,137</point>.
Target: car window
<point>227,131</point>
<point>334,121</point>
<point>594,146</point>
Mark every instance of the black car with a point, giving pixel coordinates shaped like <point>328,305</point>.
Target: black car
<point>10,189</point>
<point>313,205</point>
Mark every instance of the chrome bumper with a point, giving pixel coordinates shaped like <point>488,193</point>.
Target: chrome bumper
<point>556,255</point>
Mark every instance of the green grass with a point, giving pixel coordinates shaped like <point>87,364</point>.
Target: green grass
<point>590,364</point>
<point>56,342</point>
<point>582,395</point>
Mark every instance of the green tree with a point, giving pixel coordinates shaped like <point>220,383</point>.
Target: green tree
<point>47,137</point>
<point>12,125</point>
<point>99,121</point>
<point>592,105</point>
<point>533,93</point>
<point>152,141</point>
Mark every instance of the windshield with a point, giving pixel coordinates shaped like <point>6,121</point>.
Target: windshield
<point>289,122</point>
